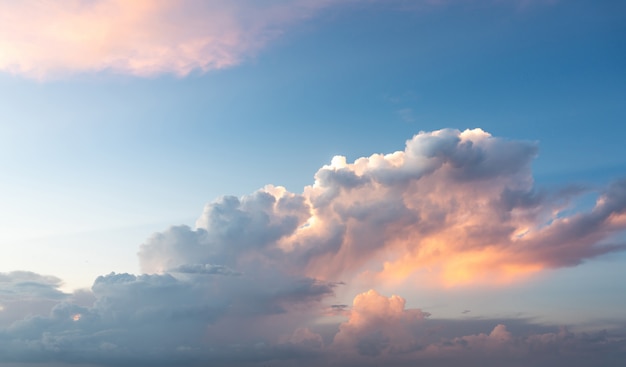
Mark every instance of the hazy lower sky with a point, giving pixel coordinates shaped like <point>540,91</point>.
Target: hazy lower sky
<point>312,182</point>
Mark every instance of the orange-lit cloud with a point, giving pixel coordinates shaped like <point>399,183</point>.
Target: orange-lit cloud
<point>459,207</point>
<point>46,38</point>
<point>453,208</point>
<point>378,325</point>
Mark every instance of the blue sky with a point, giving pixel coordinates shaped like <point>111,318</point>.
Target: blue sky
<point>97,155</point>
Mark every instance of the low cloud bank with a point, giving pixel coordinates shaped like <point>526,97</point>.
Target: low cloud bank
<point>153,320</point>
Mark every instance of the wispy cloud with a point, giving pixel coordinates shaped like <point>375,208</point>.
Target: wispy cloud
<point>47,39</point>
<point>406,114</point>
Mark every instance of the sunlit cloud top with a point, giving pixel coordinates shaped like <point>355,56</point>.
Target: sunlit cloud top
<point>454,208</point>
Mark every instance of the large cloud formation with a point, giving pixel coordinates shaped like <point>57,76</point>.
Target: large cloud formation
<point>255,281</point>
<point>44,39</point>
<point>392,216</point>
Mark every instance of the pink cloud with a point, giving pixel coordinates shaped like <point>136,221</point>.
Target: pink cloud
<point>380,330</point>
<point>452,208</point>
<point>378,325</point>
<point>44,39</point>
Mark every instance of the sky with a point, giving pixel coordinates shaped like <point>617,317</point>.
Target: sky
<point>312,182</point>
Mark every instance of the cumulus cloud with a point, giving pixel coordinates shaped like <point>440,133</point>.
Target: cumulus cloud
<point>25,293</point>
<point>254,280</point>
<point>43,39</point>
<point>378,324</point>
<point>466,194</point>
<point>459,206</point>
<point>229,230</point>
<point>380,328</point>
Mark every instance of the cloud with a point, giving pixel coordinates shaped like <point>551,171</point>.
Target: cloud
<point>255,281</point>
<point>230,230</point>
<point>406,114</point>
<point>378,324</point>
<point>24,293</point>
<point>204,269</point>
<point>137,320</point>
<point>501,347</point>
<point>458,206</point>
<point>45,39</point>
<point>153,320</point>
<point>453,208</point>
<point>380,328</point>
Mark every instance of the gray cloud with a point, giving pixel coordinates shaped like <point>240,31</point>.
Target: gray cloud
<point>204,269</point>
<point>228,230</point>
<point>25,293</point>
<point>144,319</point>
<point>158,320</point>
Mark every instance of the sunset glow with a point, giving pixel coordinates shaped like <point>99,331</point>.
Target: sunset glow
<point>342,183</point>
